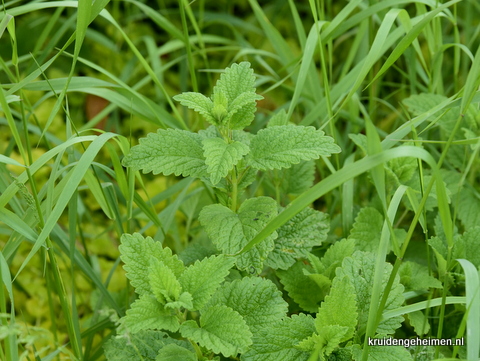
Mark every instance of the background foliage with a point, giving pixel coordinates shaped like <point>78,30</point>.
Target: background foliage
<point>82,82</point>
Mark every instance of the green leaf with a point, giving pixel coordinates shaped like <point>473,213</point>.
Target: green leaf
<point>400,171</point>
<point>185,300</point>
<point>203,278</point>
<point>163,282</point>
<point>257,300</point>
<point>423,103</point>
<point>419,322</point>
<point>220,105</point>
<point>440,249</point>
<point>296,238</point>
<point>136,253</point>
<point>360,269</point>
<point>281,146</point>
<point>472,245</point>
<point>221,330</point>
<point>174,352</point>
<point>327,341</point>
<point>198,102</point>
<point>236,80</point>
<point>279,118</point>
<point>231,231</point>
<point>302,288</point>
<point>367,229</point>
<point>360,141</point>
<point>169,151</point>
<point>236,84</point>
<point>338,309</point>
<point>241,101</point>
<point>279,341</point>
<point>415,277</point>
<point>298,178</point>
<point>147,313</point>
<point>221,157</point>
<point>418,104</point>
<point>468,208</point>
<point>141,346</point>
<point>334,257</point>
<point>6,160</point>
<point>382,353</point>
<point>242,110</point>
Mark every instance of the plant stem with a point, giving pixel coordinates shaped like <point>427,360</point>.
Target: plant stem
<point>234,189</point>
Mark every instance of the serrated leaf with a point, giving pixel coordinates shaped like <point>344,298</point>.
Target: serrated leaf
<point>419,322</point>
<point>136,252</point>
<point>257,300</point>
<point>278,342</point>
<point>163,282</point>
<point>242,116</point>
<point>185,300</point>
<point>400,171</point>
<point>281,146</point>
<point>338,309</point>
<point>418,104</point>
<point>174,352</point>
<point>296,238</point>
<point>367,229</point>
<point>301,288</point>
<point>440,250</point>
<point>298,178</point>
<point>323,282</point>
<point>360,141</point>
<point>236,80</point>
<point>203,278</point>
<point>146,313</point>
<point>334,257</point>
<point>415,277</point>
<point>468,208</point>
<point>210,132</point>
<point>244,99</point>
<point>328,341</point>
<point>236,84</point>
<point>242,136</point>
<point>472,245</point>
<point>231,231</point>
<point>279,118</point>
<point>360,269</point>
<point>421,103</point>
<point>221,330</point>
<point>169,151</point>
<point>221,157</point>
<point>198,102</point>
<point>141,346</point>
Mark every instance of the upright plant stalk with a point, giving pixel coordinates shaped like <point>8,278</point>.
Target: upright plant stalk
<point>191,65</point>
<point>403,250</point>
<point>325,76</point>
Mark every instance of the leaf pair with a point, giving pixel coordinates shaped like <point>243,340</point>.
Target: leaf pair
<point>214,153</point>
<point>164,284</point>
<point>191,154</point>
<point>233,103</point>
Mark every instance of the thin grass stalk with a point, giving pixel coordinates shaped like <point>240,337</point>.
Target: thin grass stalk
<point>191,64</point>
<point>411,229</point>
<point>325,75</point>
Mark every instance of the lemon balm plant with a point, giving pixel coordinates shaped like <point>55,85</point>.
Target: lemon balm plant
<point>228,159</point>
<point>181,310</point>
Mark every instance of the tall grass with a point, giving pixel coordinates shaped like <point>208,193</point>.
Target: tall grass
<point>344,67</point>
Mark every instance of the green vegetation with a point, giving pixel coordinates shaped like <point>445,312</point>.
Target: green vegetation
<point>309,179</point>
